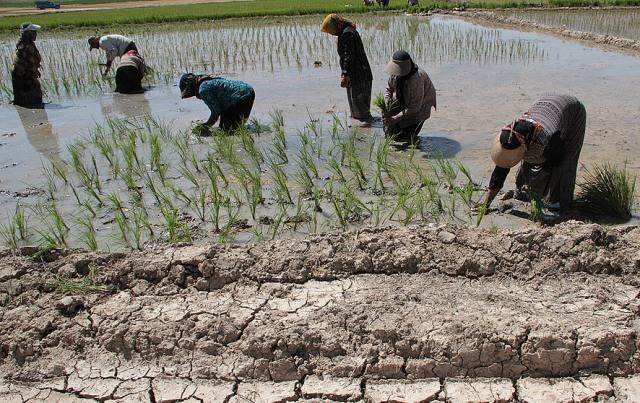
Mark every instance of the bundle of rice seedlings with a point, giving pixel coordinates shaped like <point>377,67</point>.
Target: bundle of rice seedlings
<point>607,190</point>
<point>537,213</point>
<point>381,102</point>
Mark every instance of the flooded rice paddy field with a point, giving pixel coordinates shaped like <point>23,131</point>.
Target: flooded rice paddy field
<point>624,22</point>
<point>99,169</point>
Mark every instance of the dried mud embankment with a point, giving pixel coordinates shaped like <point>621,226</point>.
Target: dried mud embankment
<point>609,41</point>
<point>434,310</point>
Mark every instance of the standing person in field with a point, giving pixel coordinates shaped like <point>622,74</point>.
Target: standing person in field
<point>113,45</point>
<point>130,73</point>
<point>356,72</point>
<point>26,69</point>
<point>548,140</point>
<point>411,95</point>
<point>229,100</point>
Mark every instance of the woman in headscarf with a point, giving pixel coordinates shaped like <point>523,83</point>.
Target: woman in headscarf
<point>356,73</point>
<point>411,94</point>
<point>547,140</point>
<point>229,100</point>
<point>26,69</point>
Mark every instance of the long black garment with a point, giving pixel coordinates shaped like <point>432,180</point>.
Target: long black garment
<point>353,59</point>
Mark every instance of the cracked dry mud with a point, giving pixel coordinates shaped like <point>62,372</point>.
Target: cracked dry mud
<point>395,314</point>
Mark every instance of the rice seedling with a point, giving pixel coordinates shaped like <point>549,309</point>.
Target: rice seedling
<point>607,190</point>
<point>304,179</point>
<point>123,229</point>
<point>88,236</point>
<point>117,204</point>
<point>448,171</point>
<point>481,211</point>
<point>306,160</point>
<point>53,235</point>
<point>9,233</point>
<point>249,145</point>
<point>277,224</point>
<point>281,185</point>
<point>20,221</point>
<point>60,171</point>
<point>336,170</point>
<point>537,205</point>
<point>381,103</point>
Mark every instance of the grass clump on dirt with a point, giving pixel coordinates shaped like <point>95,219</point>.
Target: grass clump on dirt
<point>607,190</point>
<point>86,285</point>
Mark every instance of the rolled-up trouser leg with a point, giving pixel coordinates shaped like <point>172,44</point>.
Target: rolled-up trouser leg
<point>128,80</point>
<point>233,117</point>
<point>359,97</point>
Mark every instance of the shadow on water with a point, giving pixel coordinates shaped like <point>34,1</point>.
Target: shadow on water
<point>40,133</point>
<point>437,146</point>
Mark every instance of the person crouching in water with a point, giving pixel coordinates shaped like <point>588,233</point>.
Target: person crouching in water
<point>356,72</point>
<point>130,73</point>
<point>411,95</point>
<point>548,140</point>
<point>229,100</point>
<point>26,69</point>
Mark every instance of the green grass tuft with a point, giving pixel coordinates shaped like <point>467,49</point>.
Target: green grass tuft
<point>607,190</point>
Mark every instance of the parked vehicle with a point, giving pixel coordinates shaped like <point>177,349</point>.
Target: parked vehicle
<point>44,4</point>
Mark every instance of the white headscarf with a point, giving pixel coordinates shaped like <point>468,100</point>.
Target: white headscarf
<point>27,26</point>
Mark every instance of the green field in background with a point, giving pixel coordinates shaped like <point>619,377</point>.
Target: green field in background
<point>160,14</point>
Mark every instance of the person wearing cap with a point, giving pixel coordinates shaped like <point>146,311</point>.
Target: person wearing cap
<point>113,45</point>
<point>546,141</point>
<point>411,94</point>
<point>130,73</point>
<point>27,91</point>
<point>229,100</point>
<point>356,73</point>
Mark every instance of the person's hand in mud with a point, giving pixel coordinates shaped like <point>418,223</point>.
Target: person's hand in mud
<point>344,81</point>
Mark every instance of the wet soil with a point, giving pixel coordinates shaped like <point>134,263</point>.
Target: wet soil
<point>475,99</point>
<point>377,304</point>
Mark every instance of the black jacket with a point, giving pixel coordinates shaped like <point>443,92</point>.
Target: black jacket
<point>353,59</point>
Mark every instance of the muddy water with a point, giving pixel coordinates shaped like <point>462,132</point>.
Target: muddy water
<point>476,96</point>
<point>624,23</point>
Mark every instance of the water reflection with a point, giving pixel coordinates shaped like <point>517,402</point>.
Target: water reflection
<point>126,105</point>
<point>40,133</point>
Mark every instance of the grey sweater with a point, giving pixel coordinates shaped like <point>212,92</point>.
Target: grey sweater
<point>419,98</point>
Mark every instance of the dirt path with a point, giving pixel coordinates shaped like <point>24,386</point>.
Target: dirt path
<point>338,315</point>
<point>7,11</point>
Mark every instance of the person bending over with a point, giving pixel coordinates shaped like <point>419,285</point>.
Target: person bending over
<point>229,100</point>
<point>546,141</point>
<point>113,46</point>
<point>130,73</point>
